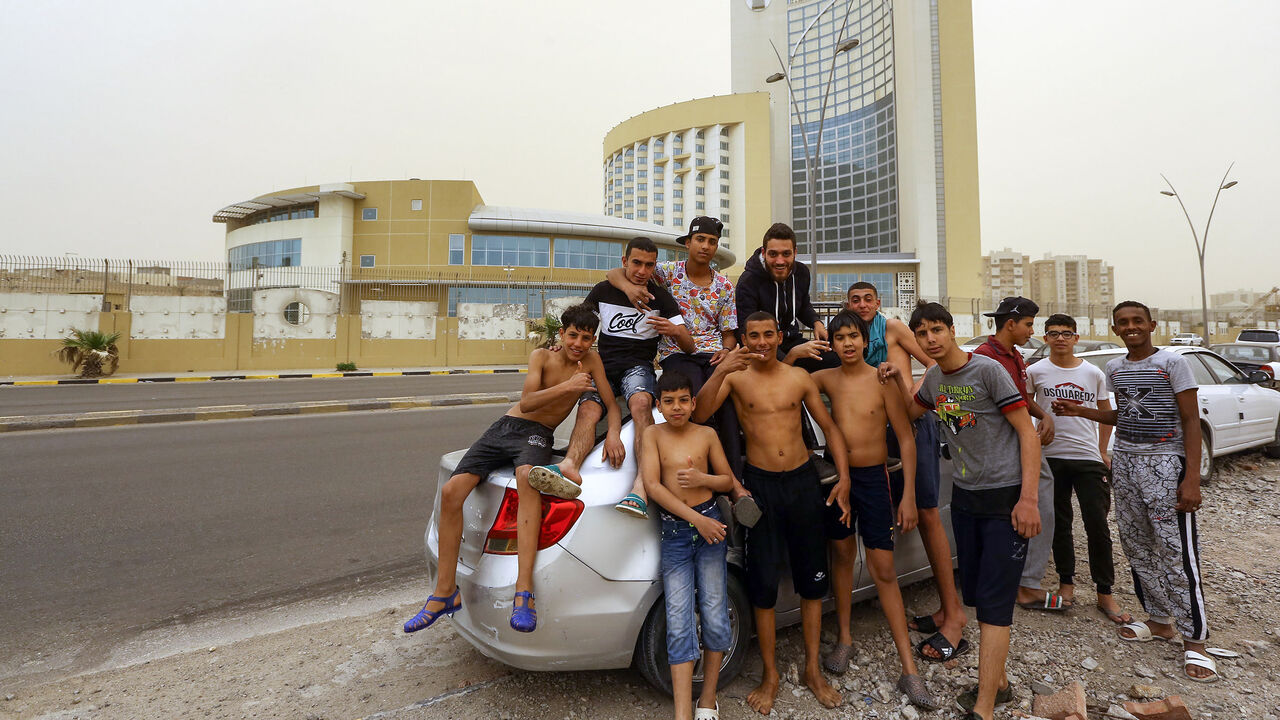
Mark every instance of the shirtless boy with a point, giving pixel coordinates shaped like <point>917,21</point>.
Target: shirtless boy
<point>862,407</point>
<point>676,462</point>
<point>890,341</point>
<point>523,437</point>
<point>768,396</point>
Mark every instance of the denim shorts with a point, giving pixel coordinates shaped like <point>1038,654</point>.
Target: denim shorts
<point>694,578</point>
<point>625,383</point>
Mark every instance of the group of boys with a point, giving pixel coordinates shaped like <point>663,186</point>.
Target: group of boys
<point>1005,499</point>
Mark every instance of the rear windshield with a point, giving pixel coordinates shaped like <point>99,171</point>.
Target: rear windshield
<point>1245,353</point>
<point>1259,336</point>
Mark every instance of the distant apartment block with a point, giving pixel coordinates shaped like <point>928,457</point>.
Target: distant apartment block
<point>1005,273</point>
<point>1075,281</point>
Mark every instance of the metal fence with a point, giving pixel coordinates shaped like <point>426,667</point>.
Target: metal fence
<point>120,280</point>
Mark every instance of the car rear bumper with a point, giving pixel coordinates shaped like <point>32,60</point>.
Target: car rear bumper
<point>585,622</point>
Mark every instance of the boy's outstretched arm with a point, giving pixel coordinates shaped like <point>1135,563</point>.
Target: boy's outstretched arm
<point>1189,489</point>
<point>1026,514</point>
<point>896,409</point>
<point>534,396</point>
<point>651,474</point>
<point>835,446</point>
<point>889,373</point>
<point>715,389</point>
<point>1072,409</point>
<point>614,451</point>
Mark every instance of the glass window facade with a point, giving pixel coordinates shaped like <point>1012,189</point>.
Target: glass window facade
<point>294,213</point>
<point>588,254</point>
<point>838,284</point>
<point>856,175</point>
<point>272,253</point>
<point>510,250</point>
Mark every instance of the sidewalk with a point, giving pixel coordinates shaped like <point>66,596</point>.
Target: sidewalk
<point>125,378</point>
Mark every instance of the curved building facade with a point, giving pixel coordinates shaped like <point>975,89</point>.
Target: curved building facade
<point>708,156</point>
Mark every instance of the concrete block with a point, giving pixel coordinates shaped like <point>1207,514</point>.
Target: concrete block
<point>1170,708</point>
<point>1066,704</point>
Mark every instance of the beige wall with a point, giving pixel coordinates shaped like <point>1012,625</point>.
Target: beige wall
<point>238,351</point>
<point>960,149</point>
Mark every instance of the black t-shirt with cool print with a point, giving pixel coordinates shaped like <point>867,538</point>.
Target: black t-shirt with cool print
<point>626,340</point>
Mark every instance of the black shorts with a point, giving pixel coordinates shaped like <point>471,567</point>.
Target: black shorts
<point>928,475</point>
<point>990,557</point>
<point>509,440</point>
<point>792,506</point>
<point>872,506</point>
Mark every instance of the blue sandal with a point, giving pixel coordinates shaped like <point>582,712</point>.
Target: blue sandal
<point>523,618</point>
<point>426,618</point>
<point>634,506</point>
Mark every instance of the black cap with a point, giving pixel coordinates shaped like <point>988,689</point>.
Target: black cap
<point>702,224</point>
<point>1015,305</point>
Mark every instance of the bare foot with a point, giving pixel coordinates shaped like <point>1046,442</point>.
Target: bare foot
<point>1107,604</point>
<point>761,699</point>
<point>1068,593</point>
<point>816,682</point>
<point>569,469</point>
<point>1157,629</point>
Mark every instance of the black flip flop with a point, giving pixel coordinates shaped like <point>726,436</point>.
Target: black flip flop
<point>923,623</point>
<point>946,651</point>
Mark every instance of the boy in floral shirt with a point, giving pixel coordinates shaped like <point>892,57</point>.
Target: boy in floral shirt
<point>706,301</point>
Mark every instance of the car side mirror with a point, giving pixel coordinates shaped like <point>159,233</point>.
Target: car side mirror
<point>1258,377</point>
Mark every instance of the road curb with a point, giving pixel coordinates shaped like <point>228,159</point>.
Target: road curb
<point>268,376</point>
<point>233,412</point>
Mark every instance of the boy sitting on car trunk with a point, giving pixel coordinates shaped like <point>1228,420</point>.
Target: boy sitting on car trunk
<point>523,437</point>
<point>675,463</point>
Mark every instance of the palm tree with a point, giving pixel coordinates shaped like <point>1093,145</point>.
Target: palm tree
<point>543,333</point>
<point>91,352</point>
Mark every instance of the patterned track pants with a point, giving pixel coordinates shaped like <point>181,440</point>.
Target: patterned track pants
<point>1161,543</point>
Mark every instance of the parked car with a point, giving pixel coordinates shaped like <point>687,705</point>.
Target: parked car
<point>1186,339</point>
<point>1082,346</point>
<point>597,578</point>
<point>1251,356</point>
<point>1026,349</point>
<point>1259,335</point>
<point>1236,412</point>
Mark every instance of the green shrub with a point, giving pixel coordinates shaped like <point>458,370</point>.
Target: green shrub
<point>346,367</point>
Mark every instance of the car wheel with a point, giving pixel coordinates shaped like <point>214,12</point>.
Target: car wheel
<point>651,649</point>
<point>1206,455</point>
<point>1273,450</point>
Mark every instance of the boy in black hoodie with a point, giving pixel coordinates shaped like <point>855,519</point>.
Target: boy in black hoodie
<point>775,282</point>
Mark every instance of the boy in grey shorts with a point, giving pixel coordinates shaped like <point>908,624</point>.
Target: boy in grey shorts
<point>523,437</point>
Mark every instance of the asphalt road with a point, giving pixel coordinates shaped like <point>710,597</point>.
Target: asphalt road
<point>54,400</point>
<point>106,533</point>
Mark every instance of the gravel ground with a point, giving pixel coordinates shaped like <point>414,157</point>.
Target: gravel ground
<point>363,666</point>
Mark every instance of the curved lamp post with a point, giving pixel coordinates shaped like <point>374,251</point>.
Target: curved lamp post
<point>1203,240</point>
<point>812,156</point>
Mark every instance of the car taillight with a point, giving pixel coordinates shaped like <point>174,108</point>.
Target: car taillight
<point>1269,371</point>
<point>558,516</point>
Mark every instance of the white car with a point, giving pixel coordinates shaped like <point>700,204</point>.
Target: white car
<point>597,575</point>
<point>1236,412</point>
<point>1186,339</point>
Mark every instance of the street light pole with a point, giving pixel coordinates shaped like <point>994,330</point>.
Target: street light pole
<point>812,156</point>
<point>1201,241</point>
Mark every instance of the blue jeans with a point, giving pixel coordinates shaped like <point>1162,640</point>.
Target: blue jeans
<point>635,379</point>
<point>690,564</point>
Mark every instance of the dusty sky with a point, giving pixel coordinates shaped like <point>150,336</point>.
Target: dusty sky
<point>126,125</point>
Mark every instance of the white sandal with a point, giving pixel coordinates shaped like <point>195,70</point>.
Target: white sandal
<point>1195,659</point>
<point>701,713</point>
<point>1141,633</point>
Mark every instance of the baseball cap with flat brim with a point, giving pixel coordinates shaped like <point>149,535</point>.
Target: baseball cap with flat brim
<point>1015,305</point>
<point>702,224</point>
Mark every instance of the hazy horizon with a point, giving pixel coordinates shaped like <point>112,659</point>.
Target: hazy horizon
<point>126,127</point>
